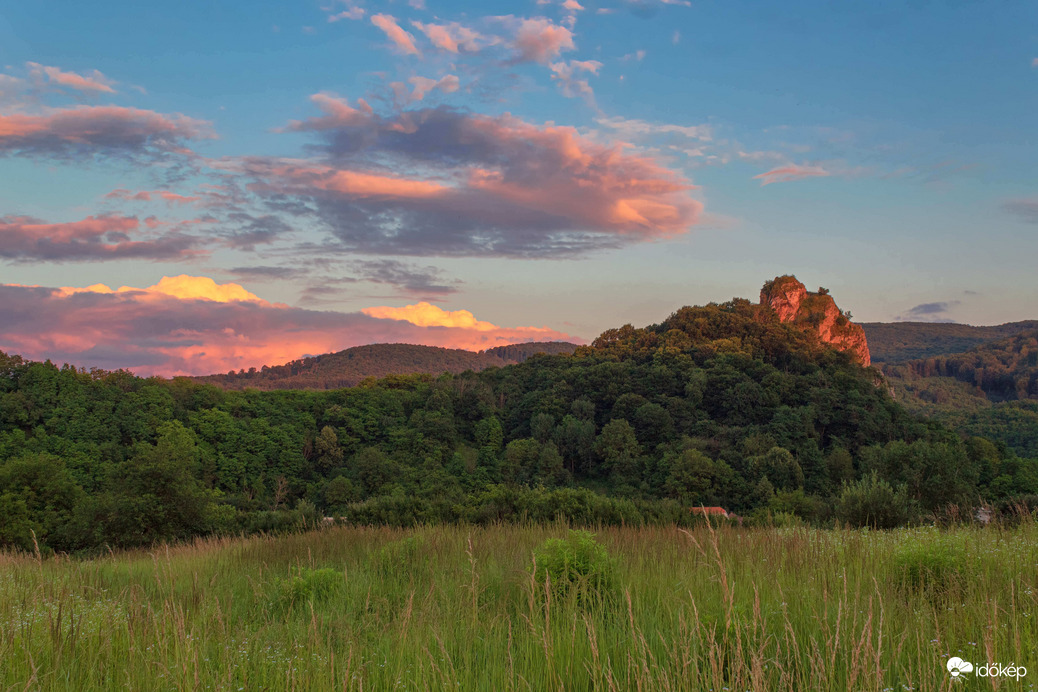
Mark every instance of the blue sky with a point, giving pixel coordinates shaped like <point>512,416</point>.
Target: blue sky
<point>563,165</point>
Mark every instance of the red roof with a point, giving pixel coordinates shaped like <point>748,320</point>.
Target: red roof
<point>710,511</point>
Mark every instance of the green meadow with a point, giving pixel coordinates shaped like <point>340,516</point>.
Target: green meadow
<point>455,607</point>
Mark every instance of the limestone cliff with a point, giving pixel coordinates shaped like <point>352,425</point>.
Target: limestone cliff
<point>815,312</point>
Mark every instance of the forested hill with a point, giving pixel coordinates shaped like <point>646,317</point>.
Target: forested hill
<point>898,342</point>
<point>352,366</point>
<point>1004,370</point>
<point>990,390</point>
<point>517,353</point>
<point>719,405</point>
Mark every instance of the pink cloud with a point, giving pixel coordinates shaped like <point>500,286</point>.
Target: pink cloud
<point>151,195</point>
<point>165,331</point>
<point>453,37</point>
<point>98,129</point>
<point>25,239</point>
<point>422,87</point>
<point>477,185</point>
<point>338,113</point>
<point>541,40</point>
<point>347,183</point>
<point>96,81</point>
<point>572,86</point>
<point>400,38</point>
<point>352,11</point>
<point>785,174</point>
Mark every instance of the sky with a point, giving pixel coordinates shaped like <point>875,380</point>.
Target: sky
<point>200,187</point>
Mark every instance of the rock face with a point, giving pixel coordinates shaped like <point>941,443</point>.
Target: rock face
<point>815,312</point>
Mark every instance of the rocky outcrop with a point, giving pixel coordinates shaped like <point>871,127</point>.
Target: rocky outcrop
<point>817,313</point>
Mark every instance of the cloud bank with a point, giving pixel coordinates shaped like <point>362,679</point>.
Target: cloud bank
<point>193,326</point>
<point>469,184</point>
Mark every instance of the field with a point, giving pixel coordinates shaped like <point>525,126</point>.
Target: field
<point>460,608</point>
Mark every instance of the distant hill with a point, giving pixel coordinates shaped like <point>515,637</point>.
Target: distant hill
<point>990,390</point>
<point>898,342</point>
<point>1003,370</point>
<point>350,367</point>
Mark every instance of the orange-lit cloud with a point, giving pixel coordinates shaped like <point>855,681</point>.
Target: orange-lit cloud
<point>183,286</point>
<point>565,75</point>
<point>475,184</point>
<point>85,130</point>
<point>25,239</point>
<point>193,325</point>
<point>400,38</point>
<point>150,195</point>
<point>541,40</point>
<point>425,314</point>
<point>453,37</point>
<point>95,81</point>
<point>424,85</point>
<point>337,113</point>
<point>786,174</point>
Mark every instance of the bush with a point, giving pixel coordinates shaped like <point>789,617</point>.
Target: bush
<point>874,503</point>
<point>577,564</point>
<point>314,585</point>
<point>401,558</point>
<point>931,566</point>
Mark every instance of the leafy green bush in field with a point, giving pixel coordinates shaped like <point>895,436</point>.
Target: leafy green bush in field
<point>402,557</point>
<point>577,562</point>
<point>932,566</point>
<point>313,585</point>
<point>874,503</point>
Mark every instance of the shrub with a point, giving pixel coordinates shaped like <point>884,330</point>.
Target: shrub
<point>932,566</point>
<point>315,585</point>
<point>874,503</point>
<point>577,563</point>
<point>401,558</point>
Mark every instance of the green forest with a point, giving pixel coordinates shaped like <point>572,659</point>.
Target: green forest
<point>899,342</point>
<point>990,390</point>
<point>721,405</point>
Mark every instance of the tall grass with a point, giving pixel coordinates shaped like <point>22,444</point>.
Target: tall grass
<point>460,608</point>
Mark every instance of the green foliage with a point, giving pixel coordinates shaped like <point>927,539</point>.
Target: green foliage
<point>576,564</point>
<point>307,586</point>
<point>39,495</point>
<point>156,494</point>
<point>755,609</point>
<point>1002,370</point>
<point>872,502</point>
<point>933,566</point>
<point>401,558</point>
<point>898,342</point>
<point>721,405</point>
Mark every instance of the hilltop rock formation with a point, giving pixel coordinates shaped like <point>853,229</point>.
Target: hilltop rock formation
<point>817,313</point>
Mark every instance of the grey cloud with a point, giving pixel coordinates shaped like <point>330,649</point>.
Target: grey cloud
<point>1023,209</point>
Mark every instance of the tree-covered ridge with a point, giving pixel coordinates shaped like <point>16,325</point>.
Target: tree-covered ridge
<point>898,342</point>
<point>718,405</point>
<point>351,366</point>
<point>991,390</point>
<point>517,353</point>
<point>1005,370</point>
